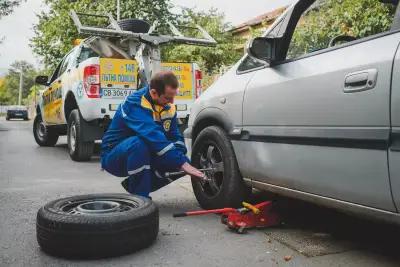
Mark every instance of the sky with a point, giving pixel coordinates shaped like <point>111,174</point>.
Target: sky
<point>18,27</point>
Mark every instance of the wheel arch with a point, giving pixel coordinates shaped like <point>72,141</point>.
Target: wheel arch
<point>38,111</point>
<point>211,117</point>
<point>70,104</point>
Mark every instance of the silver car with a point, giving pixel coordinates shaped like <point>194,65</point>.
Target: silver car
<point>310,112</point>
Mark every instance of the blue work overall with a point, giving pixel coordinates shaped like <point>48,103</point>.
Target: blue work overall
<point>143,142</point>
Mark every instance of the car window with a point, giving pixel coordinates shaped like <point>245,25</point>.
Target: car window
<point>86,53</point>
<point>330,22</point>
<point>249,63</point>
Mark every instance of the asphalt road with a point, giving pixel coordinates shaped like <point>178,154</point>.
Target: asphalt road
<point>31,175</point>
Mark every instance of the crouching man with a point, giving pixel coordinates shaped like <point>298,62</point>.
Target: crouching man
<point>143,141</point>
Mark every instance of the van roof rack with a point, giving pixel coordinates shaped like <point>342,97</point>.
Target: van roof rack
<point>144,47</point>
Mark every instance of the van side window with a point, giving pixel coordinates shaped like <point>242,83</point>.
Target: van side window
<point>55,73</point>
<point>86,53</point>
<point>66,62</point>
<point>328,23</point>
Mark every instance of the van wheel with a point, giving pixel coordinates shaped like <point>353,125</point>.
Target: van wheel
<point>78,149</point>
<point>213,149</point>
<point>44,135</point>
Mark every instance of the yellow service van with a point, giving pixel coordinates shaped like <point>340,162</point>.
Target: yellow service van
<point>85,91</point>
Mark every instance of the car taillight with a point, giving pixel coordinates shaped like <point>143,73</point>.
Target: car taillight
<point>198,77</point>
<point>91,81</point>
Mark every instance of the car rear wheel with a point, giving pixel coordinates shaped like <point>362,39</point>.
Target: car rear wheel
<point>226,188</point>
<point>44,135</point>
<point>79,150</point>
<point>96,226</point>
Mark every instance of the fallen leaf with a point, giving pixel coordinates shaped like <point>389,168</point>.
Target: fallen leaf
<point>287,258</point>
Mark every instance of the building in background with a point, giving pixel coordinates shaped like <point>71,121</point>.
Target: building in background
<point>243,32</point>
<point>255,26</point>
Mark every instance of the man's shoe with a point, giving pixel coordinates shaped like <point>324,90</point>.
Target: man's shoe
<point>124,184</point>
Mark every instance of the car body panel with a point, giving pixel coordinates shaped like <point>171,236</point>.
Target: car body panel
<point>224,96</point>
<point>308,131</point>
<point>311,90</point>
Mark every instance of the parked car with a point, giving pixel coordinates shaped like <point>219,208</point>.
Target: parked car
<point>318,122</point>
<point>17,112</point>
<point>86,88</point>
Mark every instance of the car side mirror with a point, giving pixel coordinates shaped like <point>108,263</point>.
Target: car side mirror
<point>42,80</point>
<point>262,48</point>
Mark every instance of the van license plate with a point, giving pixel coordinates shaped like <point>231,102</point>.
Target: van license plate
<point>116,93</point>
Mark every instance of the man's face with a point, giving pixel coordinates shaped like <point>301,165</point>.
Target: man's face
<point>166,98</point>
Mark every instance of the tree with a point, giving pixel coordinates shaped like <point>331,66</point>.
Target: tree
<point>210,59</point>
<point>9,89</point>
<point>7,6</point>
<point>330,18</point>
<point>55,31</point>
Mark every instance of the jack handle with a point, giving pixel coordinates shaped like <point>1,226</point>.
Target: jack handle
<point>203,212</point>
<point>248,206</point>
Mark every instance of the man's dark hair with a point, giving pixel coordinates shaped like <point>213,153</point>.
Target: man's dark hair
<point>163,79</point>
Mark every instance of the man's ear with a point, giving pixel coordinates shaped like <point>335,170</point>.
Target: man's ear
<point>153,92</point>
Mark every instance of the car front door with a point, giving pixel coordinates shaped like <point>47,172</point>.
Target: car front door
<point>318,121</point>
<point>48,96</point>
<point>52,97</point>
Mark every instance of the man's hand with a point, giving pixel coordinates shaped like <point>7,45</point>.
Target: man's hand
<point>189,169</point>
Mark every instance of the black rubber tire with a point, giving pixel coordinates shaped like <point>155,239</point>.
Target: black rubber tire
<point>134,25</point>
<point>7,118</point>
<point>82,151</point>
<point>49,137</point>
<point>233,189</point>
<point>96,235</point>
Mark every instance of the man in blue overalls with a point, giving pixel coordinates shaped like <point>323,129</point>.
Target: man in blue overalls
<point>143,140</point>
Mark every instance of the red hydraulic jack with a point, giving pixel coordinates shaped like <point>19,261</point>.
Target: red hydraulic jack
<point>250,216</point>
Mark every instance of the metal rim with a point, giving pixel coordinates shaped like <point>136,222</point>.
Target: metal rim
<point>41,130</point>
<point>211,157</point>
<point>101,206</point>
<point>72,137</point>
<point>98,206</point>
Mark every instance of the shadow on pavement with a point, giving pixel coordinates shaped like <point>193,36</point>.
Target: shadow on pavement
<point>315,231</point>
<point>96,151</point>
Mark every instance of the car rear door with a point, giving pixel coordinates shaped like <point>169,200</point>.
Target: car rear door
<point>319,121</point>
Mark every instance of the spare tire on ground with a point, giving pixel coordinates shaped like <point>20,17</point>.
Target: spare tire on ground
<point>97,225</point>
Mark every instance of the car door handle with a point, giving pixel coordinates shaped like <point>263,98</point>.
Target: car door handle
<point>360,81</point>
